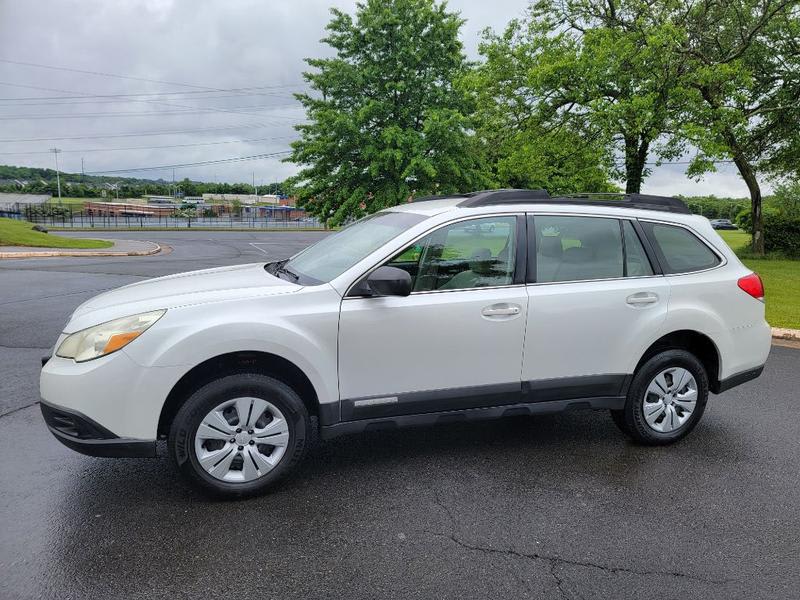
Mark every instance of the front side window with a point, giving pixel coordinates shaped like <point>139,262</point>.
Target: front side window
<point>577,248</point>
<point>680,250</point>
<point>468,254</point>
<point>332,256</point>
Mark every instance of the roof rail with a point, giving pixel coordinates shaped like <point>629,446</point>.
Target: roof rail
<point>438,197</point>
<point>508,196</point>
<point>634,200</point>
<point>513,196</point>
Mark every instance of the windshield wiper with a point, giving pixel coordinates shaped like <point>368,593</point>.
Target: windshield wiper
<point>277,268</point>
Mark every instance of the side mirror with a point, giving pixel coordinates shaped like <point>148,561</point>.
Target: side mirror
<point>389,281</point>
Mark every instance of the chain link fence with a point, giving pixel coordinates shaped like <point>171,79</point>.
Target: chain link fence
<point>62,216</point>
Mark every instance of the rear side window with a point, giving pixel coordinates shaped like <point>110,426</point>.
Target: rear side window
<point>577,248</point>
<point>680,250</point>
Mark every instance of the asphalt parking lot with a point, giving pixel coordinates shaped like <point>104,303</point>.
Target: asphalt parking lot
<point>549,507</point>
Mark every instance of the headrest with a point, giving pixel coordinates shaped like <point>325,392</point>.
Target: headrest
<point>551,246</point>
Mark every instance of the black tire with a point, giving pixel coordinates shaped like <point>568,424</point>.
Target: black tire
<point>631,419</point>
<point>205,399</point>
<point>618,416</point>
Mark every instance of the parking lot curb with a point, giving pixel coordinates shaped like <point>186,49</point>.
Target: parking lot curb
<point>792,335</point>
<point>155,249</point>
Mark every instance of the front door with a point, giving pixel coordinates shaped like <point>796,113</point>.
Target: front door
<point>456,341</point>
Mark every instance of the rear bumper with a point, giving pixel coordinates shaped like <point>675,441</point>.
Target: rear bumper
<point>78,432</point>
<point>738,379</point>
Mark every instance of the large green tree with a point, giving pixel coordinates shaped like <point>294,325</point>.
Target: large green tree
<point>386,118</point>
<point>604,68</point>
<point>744,67</point>
<point>522,145</point>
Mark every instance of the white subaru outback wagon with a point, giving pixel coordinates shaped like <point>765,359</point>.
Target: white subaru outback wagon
<point>476,306</point>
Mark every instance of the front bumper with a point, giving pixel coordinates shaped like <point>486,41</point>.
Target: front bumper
<point>78,432</point>
<point>113,391</point>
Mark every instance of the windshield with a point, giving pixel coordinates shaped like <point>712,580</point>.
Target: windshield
<point>332,256</point>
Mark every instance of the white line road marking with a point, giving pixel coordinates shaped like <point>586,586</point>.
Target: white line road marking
<point>256,246</point>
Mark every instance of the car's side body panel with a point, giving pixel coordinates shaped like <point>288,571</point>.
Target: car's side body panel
<point>427,342</point>
<point>588,328</point>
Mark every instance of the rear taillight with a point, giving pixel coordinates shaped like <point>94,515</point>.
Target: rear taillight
<point>752,285</point>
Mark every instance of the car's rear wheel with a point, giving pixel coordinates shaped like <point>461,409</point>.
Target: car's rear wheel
<point>666,399</point>
<point>238,435</point>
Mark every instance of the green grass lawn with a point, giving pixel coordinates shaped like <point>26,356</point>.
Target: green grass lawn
<point>19,233</point>
<point>781,279</point>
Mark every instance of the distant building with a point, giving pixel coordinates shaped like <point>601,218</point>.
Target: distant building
<point>23,199</point>
<point>277,213</point>
<point>246,199</point>
<point>151,199</point>
<point>123,209</point>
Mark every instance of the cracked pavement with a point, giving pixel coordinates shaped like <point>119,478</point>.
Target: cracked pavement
<point>550,507</point>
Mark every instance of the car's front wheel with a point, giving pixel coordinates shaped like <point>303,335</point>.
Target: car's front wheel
<point>666,399</point>
<point>238,435</point>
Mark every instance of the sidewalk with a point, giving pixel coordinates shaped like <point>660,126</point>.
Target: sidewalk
<point>120,248</point>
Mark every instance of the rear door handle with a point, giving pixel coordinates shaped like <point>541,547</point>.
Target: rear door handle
<point>642,299</point>
<point>501,310</point>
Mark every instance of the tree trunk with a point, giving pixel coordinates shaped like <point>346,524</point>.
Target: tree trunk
<point>749,176</point>
<point>635,156</point>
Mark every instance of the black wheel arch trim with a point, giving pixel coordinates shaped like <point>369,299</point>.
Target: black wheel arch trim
<point>723,385</point>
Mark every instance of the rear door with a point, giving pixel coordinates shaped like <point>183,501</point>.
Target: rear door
<point>456,341</point>
<point>595,302</point>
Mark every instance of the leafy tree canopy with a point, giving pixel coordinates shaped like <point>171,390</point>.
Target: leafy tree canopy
<point>604,70</point>
<point>744,69</point>
<point>387,120</point>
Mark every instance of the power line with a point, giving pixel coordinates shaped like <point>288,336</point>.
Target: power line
<point>141,134</point>
<point>245,91</point>
<point>111,75</point>
<point>155,102</point>
<point>195,111</point>
<point>217,143</point>
<point>123,99</point>
<point>194,164</point>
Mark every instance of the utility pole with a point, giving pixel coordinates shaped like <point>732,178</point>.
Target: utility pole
<point>174,189</point>
<point>255,189</point>
<point>82,172</point>
<point>56,151</point>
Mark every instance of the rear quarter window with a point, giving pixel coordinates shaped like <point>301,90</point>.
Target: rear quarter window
<point>680,251</point>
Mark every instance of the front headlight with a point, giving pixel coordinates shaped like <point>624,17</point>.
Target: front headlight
<point>106,338</point>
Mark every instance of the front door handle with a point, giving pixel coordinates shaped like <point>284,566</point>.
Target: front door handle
<point>501,310</point>
<point>642,299</point>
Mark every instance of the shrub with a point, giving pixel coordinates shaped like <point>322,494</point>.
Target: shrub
<point>744,220</point>
<point>715,208</point>
<point>782,234</point>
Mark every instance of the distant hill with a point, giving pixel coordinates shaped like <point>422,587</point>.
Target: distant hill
<point>9,172</point>
<point>30,180</point>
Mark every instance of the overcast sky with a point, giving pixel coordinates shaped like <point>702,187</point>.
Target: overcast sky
<point>154,46</point>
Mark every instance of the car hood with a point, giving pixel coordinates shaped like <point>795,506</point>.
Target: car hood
<point>193,287</point>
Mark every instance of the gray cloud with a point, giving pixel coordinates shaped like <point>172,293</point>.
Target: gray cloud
<point>211,44</point>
